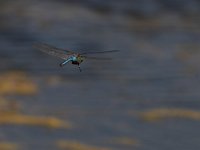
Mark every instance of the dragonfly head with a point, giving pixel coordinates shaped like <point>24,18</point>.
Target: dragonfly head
<point>80,58</point>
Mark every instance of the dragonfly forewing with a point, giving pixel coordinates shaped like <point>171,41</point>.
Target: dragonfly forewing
<point>99,52</point>
<point>54,51</point>
<point>97,58</point>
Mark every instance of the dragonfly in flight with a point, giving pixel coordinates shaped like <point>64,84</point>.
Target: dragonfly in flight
<point>70,56</point>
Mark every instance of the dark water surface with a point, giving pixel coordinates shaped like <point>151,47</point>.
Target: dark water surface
<point>157,67</point>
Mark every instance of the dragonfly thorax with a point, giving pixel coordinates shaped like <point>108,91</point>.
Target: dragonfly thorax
<point>77,59</point>
<point>74,58</point>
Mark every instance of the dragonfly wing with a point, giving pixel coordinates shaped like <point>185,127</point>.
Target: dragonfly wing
<point>51,50</point>
<point>100,52</point>
<point>97,58</point>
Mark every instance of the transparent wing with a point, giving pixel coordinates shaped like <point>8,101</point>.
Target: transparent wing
<point>97,58</point>
<point>100,52</point>
<point>51,50</point>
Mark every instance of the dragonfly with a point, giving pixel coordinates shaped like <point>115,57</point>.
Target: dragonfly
<point>69,55</point>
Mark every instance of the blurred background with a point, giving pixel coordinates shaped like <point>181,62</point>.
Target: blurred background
<point>147,97</point>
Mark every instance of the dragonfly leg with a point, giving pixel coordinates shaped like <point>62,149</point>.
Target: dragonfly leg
<point>79,68</point>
